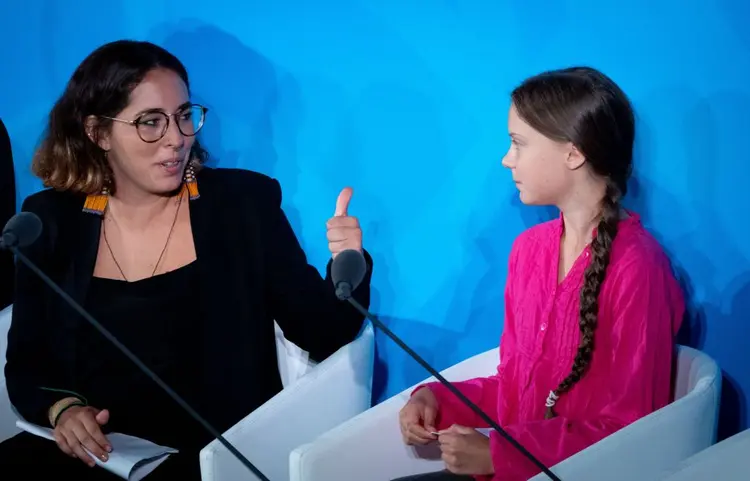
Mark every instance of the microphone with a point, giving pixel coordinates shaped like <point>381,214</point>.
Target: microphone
<point>22,230</point>
<point>347,272</point>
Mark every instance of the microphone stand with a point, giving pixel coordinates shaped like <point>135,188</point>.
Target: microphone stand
<point>138,363</point>
<point>344,292</point>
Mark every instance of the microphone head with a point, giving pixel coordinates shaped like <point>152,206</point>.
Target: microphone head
<point>347,272</point>
<point>22,229</point>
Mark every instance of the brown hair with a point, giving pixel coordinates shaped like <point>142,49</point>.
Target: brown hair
<point>583,106</point>
<point>67,158</point>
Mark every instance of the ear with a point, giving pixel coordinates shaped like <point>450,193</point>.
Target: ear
<point>575,159</point>
<point>95,134</point>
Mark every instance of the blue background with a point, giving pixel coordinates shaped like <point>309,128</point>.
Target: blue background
<point>407,101</point>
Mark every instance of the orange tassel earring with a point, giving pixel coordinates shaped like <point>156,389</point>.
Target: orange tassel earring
<point>97,203</point>
<point>191,184</point>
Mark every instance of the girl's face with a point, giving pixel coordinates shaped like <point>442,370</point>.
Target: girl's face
<point>542,168</point>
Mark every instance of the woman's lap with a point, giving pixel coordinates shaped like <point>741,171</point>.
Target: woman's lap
<point>31,458</point>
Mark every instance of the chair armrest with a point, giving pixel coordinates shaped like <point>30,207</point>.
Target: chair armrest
<point>8,416</point>
<point>369,446</point>
<point>335,390</point>
<point>652,446</point>
<point>726,460</point>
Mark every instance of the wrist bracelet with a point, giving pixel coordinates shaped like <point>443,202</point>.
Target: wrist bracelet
<point>60,407</point>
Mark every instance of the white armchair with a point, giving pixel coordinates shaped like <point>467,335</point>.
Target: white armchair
<point>314,400</point>
<point>7,416</point>
<point>725,461</point>
<point>369,446</point>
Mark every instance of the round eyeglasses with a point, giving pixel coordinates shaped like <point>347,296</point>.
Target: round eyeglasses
<point>153,125</point>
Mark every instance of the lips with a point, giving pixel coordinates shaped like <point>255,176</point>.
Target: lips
<point>171,163</point>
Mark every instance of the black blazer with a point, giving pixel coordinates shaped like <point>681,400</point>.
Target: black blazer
<point>253,271</point>
<point>7,210</point>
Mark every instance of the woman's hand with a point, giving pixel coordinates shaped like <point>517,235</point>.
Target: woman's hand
<point>80,427</point>
<point>343,231</point>
<point>417,418</point>
<point>466,451</point>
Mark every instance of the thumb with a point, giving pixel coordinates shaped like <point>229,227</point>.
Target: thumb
<point>342,203</point>
<point>464,430</point>
<point>102,417</point>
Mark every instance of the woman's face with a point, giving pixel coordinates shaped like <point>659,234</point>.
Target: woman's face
<point>152,167</point>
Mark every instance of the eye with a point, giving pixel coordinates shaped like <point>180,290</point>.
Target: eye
<point>151,121</point>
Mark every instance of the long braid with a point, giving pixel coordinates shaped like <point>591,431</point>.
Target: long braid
<point>601,247</point>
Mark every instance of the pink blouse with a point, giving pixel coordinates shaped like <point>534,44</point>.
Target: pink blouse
<point>641,307</point>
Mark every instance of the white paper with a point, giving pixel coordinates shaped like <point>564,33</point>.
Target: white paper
<point>131,458</point>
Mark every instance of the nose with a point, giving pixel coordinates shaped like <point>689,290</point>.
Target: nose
<point>173,136</point>
<point>507,161</point>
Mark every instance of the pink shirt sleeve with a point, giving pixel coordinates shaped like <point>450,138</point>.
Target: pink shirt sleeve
<point>645,308</point>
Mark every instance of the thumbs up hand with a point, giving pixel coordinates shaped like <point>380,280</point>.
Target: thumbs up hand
<point>343,231</point>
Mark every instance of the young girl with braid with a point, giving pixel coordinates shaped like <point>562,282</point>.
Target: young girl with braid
<point>591,289</point>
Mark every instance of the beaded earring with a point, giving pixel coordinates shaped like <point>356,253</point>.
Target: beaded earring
<point>191,183</point>
<point>97,203</point>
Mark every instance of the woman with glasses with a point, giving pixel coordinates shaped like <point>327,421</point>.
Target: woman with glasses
<point>187,266</point>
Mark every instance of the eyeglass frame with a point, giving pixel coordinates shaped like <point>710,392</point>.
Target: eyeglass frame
<point>136,121</point>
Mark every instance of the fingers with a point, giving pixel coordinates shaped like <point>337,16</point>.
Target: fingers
<point>342,223</point>
<point>463,429</point>
<point>342,238</point>
<point>430,416</point>
<point>80,431</point>
<point>412,431</point>
<point>62,443</point>
<point>96,442</point>
<point>416,434</point>
<point>343,230</point>
<point>342,203</point>
<point>452,463</point>
<point>86,439</point>
<point>75,446</point>
<point>450,453</point>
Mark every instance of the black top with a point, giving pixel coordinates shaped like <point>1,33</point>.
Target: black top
<point>251,271</point>
<point>7,210</point>
<point>157,319</point>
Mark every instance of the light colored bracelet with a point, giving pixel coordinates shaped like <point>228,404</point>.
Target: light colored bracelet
<point>60,407</point>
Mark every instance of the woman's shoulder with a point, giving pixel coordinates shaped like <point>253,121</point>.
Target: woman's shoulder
<point>50,203</point>
<point>241,182</point>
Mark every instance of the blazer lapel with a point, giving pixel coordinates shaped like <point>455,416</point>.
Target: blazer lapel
<point>83,243</point>
<point>216,283</point>
<point>206,238</point>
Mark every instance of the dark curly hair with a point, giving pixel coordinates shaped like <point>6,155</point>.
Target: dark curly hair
<point>67,159</point>
<point>585,107</point>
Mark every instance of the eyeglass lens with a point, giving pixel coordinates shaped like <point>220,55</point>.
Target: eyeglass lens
<point>152,126</point>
